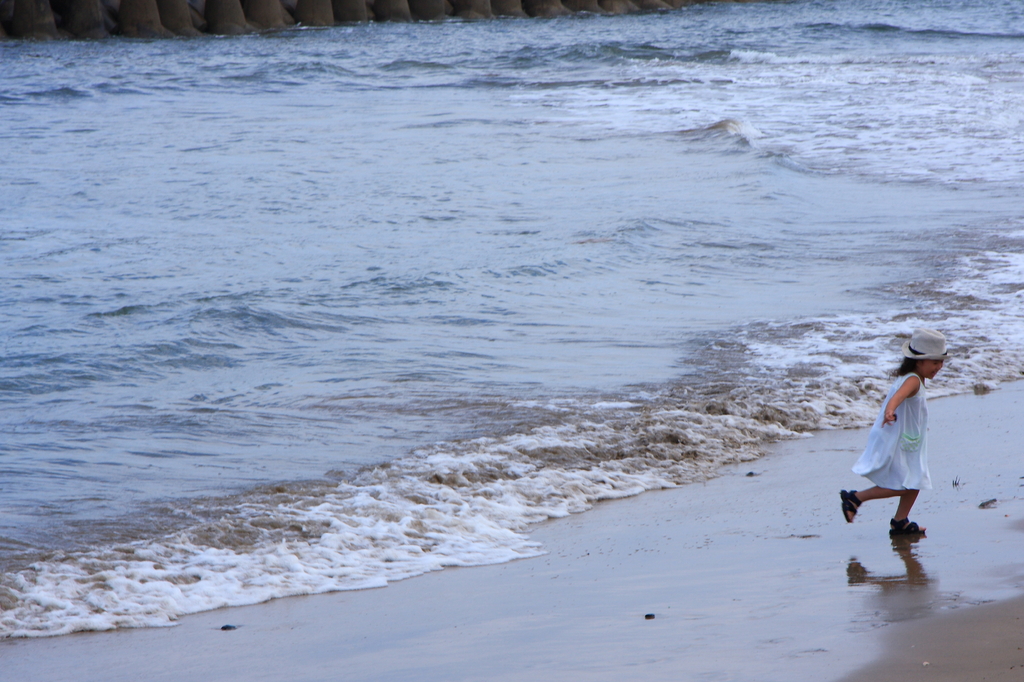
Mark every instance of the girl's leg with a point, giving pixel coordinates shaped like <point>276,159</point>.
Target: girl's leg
<point>854,498</point>
<point>907,500</point>
<point>877,493</point>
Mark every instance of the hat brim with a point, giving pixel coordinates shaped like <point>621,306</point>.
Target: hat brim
<point>907,353</point>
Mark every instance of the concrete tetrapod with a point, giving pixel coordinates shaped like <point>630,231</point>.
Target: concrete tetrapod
<point>314,12</point>
<point>33,19</point>
<point>427,10</point>
<point>618,6</point>
<point>225,17</point>
<point>472,9</point>
<point>584,6</point>
<point>265,14</point>
<point>141,19</point>
<point>289,11</point>
<point>350,10</point>
<point>81,18</point>
<point>392,10</point>
<point>508,8</point>
<point>176,17</point>
<point>545,8</point>
<point>651,5</point>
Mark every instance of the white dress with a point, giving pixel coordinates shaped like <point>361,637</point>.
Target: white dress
<point>897,454</point>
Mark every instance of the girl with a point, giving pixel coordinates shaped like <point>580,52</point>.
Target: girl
<point>896,458</point>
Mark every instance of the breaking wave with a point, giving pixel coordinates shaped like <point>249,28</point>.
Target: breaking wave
<point>471,503</point>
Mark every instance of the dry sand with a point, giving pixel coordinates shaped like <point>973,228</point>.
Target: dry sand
<point>749,577</point>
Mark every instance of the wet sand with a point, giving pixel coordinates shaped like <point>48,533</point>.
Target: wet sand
<point>979,643</point>
<point>748,577</point>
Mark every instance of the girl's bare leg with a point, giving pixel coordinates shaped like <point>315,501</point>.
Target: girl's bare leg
<point>877,493</point>
<point>907,499</point>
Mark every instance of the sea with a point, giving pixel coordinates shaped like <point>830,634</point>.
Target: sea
<point>322,309</point>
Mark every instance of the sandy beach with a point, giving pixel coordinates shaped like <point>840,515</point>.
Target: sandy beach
<point>750,576</point>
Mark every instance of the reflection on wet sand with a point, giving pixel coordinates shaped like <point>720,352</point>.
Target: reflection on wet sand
<point>902,596</point>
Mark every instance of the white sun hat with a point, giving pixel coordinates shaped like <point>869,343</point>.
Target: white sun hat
<point>926,344</point>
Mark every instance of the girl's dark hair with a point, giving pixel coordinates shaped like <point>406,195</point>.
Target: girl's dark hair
<point>906,367</point>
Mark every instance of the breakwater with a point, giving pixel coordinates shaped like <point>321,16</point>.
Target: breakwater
<point>90,19</point>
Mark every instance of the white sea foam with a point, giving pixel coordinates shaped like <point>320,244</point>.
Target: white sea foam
<point>458,505</point>
<point>875,114</point>
<point>471,503</point>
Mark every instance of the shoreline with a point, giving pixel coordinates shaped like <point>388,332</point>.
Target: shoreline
<point>748,577</point>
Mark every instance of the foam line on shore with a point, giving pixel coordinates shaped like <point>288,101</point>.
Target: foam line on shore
<point>744,573</point>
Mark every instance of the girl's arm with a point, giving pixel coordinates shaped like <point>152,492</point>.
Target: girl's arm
<point>907,390</point>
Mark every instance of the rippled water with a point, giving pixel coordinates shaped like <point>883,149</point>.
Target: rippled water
<point>522,265</point>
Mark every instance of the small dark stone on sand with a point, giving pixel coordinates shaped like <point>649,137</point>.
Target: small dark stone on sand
<point>649,616</point>
<point>753,473</point>
<point>228,627</point>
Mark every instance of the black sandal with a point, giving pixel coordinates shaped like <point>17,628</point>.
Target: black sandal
<point>904,527</point>
<point>851,503</point>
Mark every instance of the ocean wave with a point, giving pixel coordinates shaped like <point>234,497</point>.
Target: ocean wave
<point>472,502</point>
<point>881,27</point>
<point>459,504</point>
<point>60,93</point>
<point>944,33</point>
<point>883,59</point>
<point>727,127</point>
<point>874,114</point>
